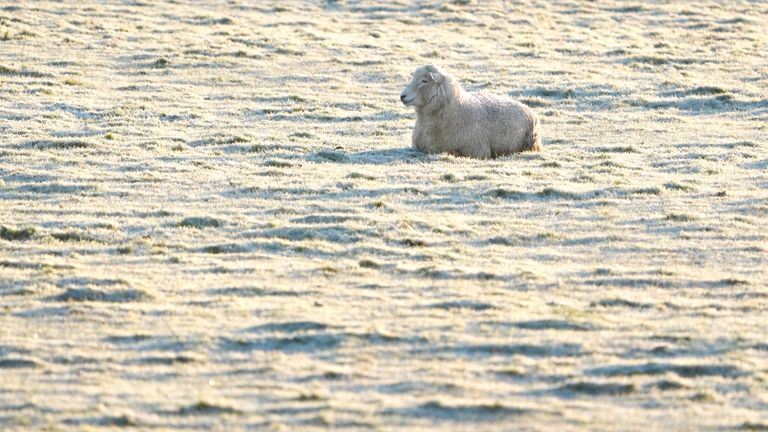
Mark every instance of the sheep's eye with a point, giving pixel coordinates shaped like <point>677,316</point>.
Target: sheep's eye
<point>424,80</point>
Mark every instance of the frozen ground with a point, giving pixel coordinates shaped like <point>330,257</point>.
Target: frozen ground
<point>211,218</point>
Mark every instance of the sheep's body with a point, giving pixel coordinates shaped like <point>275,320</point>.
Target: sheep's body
<point>451,120</point>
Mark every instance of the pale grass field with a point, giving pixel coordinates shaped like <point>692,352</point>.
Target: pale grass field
<point>211,218</point>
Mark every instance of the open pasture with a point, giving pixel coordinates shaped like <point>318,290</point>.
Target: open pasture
<point>211,218</point>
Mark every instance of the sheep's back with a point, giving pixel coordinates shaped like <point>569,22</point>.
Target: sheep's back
<point>503,121</point>
<point>493,107</point>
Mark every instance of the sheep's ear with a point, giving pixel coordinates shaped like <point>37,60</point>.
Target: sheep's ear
<point>436,77</point>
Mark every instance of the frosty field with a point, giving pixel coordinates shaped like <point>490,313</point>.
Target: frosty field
<point>211,218</point>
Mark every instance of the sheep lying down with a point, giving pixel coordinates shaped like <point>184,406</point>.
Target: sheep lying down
<point>452,120</point>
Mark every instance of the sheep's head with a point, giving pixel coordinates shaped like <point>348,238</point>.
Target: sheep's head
<point>422,88</point>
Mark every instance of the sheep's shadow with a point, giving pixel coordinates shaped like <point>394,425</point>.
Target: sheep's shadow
<point>378,157</point>
<point>405,154</point>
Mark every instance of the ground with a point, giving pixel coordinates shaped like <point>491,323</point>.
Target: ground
<point>211,218</point>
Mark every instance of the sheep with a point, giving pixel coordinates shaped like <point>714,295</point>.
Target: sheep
<point>479,125</point>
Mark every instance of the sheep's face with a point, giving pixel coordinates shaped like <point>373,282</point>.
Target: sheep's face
<point>421,90</point>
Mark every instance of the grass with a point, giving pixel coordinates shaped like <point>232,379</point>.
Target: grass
<point>367,263</point>
<point>58,144</point>
<point>554,93</point>
<point>678,186</point>
<point>125,250</point>
<point>535,102</point>
<point>734,281</point>
<point>257,148</point>
<point>648,59</point>
<point>160,63</point>
<point>599,389</point>
<point>236,140</point>
<point>617,149</point>
<point>92,295</point>
<point>753,426</point>
<point>557,193</point>
<point>332,156</point>
<point>120,421</point>
<point>224,249</point>
<point>13,363</point>
<point>706,90</point>
<point>204,407</point>
<point>284,208</point>
<point>680,217</point>
<point>277,164</point>
<point>4,70</point>
<point>505,193</point>
<point>646,191</point>
<point>13,234</point>
<point>356,175</point>
<point>310,397</point>
<point>72,236</point>
<point>200,222</point>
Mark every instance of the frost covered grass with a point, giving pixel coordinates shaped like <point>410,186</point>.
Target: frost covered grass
<point>210,218</point>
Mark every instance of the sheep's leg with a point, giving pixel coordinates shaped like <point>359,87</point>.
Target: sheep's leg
<point>422,140</point>
<point>483,152</point>
<point>532,138</point>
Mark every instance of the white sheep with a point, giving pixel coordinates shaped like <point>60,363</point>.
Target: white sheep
<point>452,120</point>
